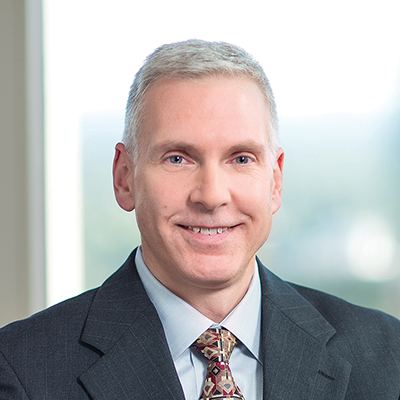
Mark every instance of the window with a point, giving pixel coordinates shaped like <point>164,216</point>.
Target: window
<point>334,69</point>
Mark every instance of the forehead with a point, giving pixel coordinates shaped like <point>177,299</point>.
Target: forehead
<point>211,99</point>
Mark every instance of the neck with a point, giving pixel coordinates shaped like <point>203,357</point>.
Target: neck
<point>226,303</point>
<point>214,303</point>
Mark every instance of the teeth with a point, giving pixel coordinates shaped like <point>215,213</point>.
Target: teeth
<point>207,231</point>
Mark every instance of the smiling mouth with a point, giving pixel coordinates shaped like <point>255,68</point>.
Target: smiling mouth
<point>208,231</point>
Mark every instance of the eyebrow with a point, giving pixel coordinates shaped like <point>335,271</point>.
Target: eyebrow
<point>250,146</point>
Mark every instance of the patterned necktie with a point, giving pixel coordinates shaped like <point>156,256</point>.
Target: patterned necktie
<point>217,345</point>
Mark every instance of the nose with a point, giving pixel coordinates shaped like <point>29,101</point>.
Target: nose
<point>211,188</point>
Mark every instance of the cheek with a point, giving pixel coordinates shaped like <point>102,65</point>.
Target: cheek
<point>159,196</point>
<point>255,196</point>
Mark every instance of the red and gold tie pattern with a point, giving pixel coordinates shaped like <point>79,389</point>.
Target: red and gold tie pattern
<point>217,345</point>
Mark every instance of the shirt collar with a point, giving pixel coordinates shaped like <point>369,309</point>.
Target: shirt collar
<point>183,324</point>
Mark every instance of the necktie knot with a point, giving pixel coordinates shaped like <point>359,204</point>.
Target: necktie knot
<point>216,346</point>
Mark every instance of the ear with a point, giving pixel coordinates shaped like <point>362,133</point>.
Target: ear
<point>123,174</point>
<point>277,182</point>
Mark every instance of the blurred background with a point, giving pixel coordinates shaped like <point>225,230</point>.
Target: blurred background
<point>65,72</point>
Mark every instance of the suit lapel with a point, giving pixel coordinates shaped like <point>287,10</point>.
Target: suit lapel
<point>297,363</point>
<point>124,328</point>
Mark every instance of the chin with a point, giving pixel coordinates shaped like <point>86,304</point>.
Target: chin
<point>217,274</point>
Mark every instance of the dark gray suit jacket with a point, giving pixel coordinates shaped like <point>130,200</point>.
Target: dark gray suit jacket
<point>109,343</point>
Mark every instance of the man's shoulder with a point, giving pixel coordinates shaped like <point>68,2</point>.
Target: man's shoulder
<point>341,313</point>
<point>361,333</point>
<point>74,311</point>
<point>334,309</point>
<point>353,324</point>
<point>67,314</point>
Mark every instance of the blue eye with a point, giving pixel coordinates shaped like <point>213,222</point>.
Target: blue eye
<point>242,160</point>
<point>176,159</point>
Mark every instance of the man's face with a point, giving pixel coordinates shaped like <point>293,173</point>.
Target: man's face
<point>204,186</point>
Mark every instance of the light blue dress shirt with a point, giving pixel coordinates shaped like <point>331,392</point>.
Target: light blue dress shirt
<point>183,324</point>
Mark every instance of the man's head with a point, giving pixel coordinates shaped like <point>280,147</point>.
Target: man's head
<point>205,181</point>
<point>194,59</point>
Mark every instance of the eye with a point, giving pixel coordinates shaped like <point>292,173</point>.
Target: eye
<point>242,160</point>
<point>176,159</point>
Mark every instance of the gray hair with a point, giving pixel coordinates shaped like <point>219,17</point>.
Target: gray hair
<point>194,59</point>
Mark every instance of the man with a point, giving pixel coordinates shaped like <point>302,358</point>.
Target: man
<point>192,313</point>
